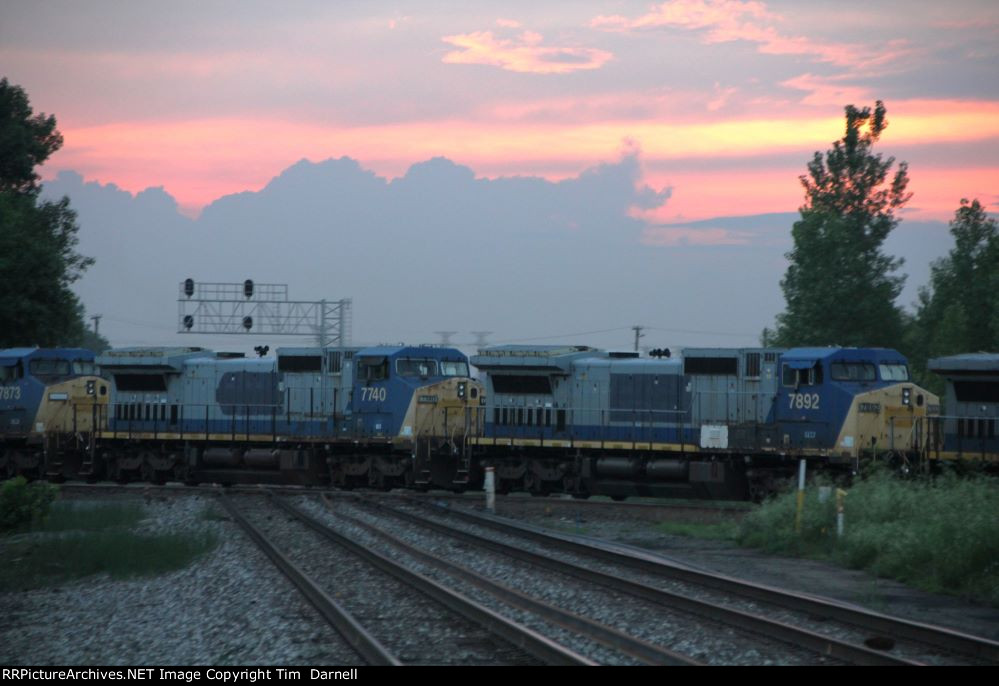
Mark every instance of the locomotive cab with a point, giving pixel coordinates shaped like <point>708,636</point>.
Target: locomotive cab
<point>51,401</point>
<point>806,403</point>
<point>421,402</point>
<point>406,394</point>
<point>846,402</point>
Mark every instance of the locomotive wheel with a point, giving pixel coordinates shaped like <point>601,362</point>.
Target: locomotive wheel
<point>116,473</point>
<point>536,486</point>
<point>574,486</point>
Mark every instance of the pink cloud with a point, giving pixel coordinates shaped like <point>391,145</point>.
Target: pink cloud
<point>827,90</point>
<point>197,160</point>
<point>724,21</point>
<point>524,53</point>
<point>723,15</point>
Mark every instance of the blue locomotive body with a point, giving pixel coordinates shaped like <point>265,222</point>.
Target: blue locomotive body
<point>355,415</point>
<point>724,421</point>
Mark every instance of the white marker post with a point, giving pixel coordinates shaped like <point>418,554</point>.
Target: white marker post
<point>840,502</point>
<point>801,496</point>
<point>490,486</point>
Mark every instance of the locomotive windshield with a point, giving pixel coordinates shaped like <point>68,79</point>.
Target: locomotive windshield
<point>852,371</point>
<point>450,368</point>
<point>417,367</point>
<point>84,368</point>
<point>894,372</point>
<point>49,368</point>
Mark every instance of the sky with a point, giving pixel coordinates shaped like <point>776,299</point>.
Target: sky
<point>706,109</point>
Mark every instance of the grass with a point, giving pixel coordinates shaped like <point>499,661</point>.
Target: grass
<point>715,531</point>
<point>70,516</point>
<point>78,540</point>
<point>940,535</point>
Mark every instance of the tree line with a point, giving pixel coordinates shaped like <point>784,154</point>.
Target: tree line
<point>840,288</point>
<point>38,238</point>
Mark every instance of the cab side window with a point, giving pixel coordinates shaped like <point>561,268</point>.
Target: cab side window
<point>802,377</point>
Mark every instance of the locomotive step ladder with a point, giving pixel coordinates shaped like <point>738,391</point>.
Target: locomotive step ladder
<point>422,467</point>
<point>463,473</point>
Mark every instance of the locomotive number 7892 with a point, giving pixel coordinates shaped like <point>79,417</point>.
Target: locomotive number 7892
<point>804,401</point>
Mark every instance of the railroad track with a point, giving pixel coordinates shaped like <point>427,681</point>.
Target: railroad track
<point>641,651</point>
<point>691,628</point>
<point>435,625</point>
<point>369,648</point>
<point>662,510</point>
<point>851,634</point>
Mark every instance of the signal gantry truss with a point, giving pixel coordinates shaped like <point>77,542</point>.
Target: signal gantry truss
<point>260,308</point>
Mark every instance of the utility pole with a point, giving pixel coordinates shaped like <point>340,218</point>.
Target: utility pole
<point>97,323</point>
<point>638,334</point>
<point>445,336</point>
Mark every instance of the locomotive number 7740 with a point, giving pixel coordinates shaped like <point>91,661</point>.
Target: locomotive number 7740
<point>804,401</point>
<point>372,394</point>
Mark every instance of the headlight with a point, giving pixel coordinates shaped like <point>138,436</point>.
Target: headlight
<point>906,396</point>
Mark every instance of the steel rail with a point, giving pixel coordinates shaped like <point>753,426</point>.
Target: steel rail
<point>539,646</point>
<point>635,647</point>
<point>938,638</point>
<point>793,635</point>
<point>665,507</point>
<point>373,652</point>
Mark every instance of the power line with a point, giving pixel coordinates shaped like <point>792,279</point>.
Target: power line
<point>565,335</point>
<point>705,333</point>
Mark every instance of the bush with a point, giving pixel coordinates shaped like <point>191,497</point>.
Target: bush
<point>22,504</point>
<point>941,535</point>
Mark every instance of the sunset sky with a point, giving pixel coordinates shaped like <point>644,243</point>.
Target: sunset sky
<point>724,99</point>
<point>614,128</point>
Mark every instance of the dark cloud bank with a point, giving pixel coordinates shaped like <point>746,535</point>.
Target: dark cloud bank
<point>440,249</point>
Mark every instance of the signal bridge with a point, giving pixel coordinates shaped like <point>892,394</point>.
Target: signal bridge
<point>260,308</point>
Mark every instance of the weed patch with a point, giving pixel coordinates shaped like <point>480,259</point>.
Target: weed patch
<point>22,504</point>
<point>83,539</point>
<point>717,531</point>
<point>941,535</point>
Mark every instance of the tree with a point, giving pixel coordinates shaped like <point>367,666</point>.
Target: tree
<point>959,310</point>
<point>38,258</point>
<point>840,288</point>
<point>26,141</point>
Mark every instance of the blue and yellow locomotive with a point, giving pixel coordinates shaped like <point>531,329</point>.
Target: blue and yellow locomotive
<point>51,402</point>
<point>378,416</point>
<point>712,422</point>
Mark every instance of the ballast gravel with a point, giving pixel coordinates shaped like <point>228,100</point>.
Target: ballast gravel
<point>230,607</point>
